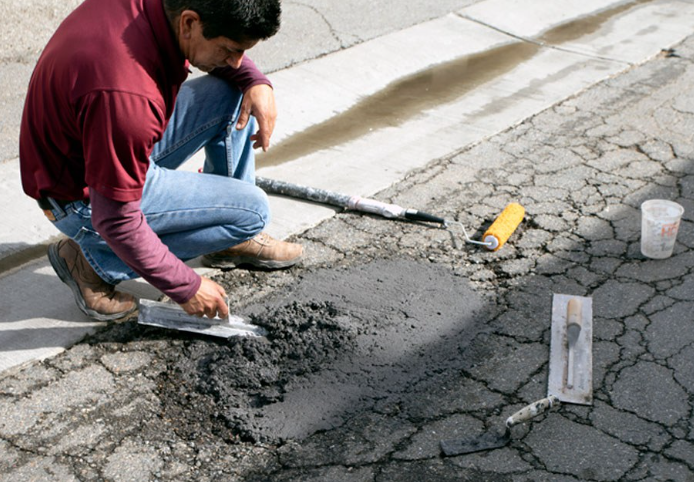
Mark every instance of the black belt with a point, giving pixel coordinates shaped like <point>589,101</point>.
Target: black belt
<point>45,203</point>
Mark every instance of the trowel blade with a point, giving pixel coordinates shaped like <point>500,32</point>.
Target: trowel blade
<point>172,317</point>
<point>581,390</point>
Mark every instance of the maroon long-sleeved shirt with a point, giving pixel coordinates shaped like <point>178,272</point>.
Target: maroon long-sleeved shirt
<point>100,97</point>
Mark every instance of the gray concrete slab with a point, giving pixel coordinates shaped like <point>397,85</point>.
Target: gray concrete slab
<point>604,31</point>
<point>310,30</point>
<point>525,80</point>
<point>315,28</point>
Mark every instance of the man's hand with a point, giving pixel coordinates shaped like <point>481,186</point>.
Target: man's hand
<point>210,300</point>
<point>259,101</point>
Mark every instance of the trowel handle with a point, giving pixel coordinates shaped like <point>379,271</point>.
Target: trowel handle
<point>574,322</point>
<point>532,410</point>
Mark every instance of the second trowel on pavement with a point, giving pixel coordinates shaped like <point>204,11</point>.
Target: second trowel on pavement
<point>570,372</point>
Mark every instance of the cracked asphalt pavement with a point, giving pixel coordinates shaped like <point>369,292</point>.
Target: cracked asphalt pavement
<point>392,335</point>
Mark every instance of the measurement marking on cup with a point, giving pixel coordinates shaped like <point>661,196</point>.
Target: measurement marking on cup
<point>670,229</point>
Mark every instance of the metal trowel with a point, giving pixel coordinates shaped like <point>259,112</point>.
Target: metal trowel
<point>570,373</point>
<point>172,317</point>
<point>571,350</point>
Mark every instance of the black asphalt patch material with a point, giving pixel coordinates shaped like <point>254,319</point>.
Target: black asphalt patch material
<point>338,343</point>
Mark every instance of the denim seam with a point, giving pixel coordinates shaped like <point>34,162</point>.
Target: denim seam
<point>229,145</point>
<point>188,211</point>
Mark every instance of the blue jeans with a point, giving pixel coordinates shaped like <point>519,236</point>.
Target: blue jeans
<point>192,213</point>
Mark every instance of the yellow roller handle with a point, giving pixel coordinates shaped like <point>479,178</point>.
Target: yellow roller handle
<point>504,226</point>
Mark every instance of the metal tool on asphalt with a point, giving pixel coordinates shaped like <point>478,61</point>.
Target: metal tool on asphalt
<point>570,377</point>
<point>493,239</point>
<point>172,317</point>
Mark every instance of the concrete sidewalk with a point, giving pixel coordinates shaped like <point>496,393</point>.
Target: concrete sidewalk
<point>475,74</point>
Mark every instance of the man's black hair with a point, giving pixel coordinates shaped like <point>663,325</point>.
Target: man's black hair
<point>238,20</point>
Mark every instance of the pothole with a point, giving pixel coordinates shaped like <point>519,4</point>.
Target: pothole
<point>339,342</point>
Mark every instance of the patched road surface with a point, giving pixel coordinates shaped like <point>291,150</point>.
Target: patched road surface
<point>393,336</point>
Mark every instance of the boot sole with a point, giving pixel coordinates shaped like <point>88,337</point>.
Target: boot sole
<point>238,261</point>
<point>61,269</point>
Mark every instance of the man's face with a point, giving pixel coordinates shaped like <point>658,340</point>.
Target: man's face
<point>206,54</point>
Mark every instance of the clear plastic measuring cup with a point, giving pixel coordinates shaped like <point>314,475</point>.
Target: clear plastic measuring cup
<point>660,221</point>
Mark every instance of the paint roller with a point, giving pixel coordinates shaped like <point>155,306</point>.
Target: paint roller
<point>501,229</point>
<point>493,239</point>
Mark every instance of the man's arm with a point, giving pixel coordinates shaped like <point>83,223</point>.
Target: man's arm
<point>119,130</point>
<point>258,100</point>
<point>245,77</point>
<point>125,229</point>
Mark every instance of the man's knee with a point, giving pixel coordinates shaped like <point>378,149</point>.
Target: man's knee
<point>263,204</point>
<point>257,208</point>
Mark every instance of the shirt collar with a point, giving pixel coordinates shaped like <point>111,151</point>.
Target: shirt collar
<point>166,39</point>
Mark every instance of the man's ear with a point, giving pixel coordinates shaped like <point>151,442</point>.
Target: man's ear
<point>186,23</point>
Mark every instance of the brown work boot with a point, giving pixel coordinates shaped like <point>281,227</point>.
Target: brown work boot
<point>96,298</point>
<point>261,252</point>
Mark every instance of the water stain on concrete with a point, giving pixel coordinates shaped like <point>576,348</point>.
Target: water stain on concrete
<point>339,342</point>
<point>402,101</point>
<point>585,26</point>
<point>436,86</point>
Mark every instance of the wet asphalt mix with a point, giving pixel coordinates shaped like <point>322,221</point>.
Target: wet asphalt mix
<point>392,336</point>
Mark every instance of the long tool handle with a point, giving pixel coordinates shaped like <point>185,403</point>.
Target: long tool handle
<point>272,186</point>
<point>355,203</point>
<point>571,367</point>
<point>415,215</point>
<point>532,410</point>
<point>574,321</point>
